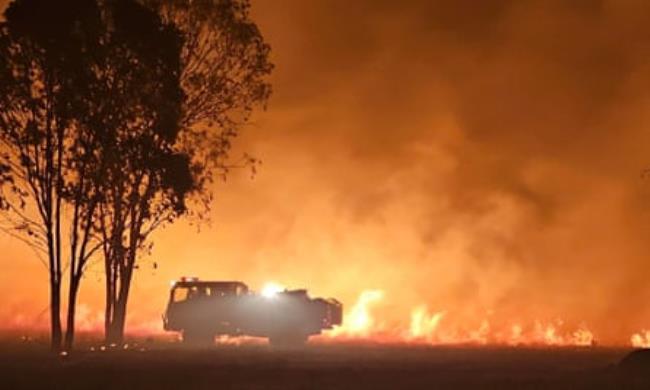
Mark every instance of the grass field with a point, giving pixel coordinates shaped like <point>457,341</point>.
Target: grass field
<point>163,365</point>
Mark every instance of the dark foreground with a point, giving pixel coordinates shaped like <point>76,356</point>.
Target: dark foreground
<point>165,366</point>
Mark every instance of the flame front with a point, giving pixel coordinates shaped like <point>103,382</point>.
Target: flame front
<point>363,322</point>
<point>431,327</point>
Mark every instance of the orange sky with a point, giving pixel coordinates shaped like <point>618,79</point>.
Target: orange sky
<point>481,158</point>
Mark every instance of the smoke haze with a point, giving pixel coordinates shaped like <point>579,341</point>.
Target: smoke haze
<point>480,158</point>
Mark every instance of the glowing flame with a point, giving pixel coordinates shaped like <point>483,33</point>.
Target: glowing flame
<point>482,334</point>
<point>583,338</point>
<point>547,334</point>
<point>270,289</point>
<point>641,340</point>
<point>424,325</point>
<point>359,321</point>
<point>437,327</point>
<point>516,334</point>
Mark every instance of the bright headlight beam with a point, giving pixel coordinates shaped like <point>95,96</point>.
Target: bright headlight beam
<point>271,289</point>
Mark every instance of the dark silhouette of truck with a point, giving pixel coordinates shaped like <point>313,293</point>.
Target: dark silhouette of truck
<point>203,309</point>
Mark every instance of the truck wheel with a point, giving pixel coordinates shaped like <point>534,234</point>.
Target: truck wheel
<point>198,338</point>
<point>288,341</point>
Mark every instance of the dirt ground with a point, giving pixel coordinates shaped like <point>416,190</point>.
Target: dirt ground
<point>158,365</point>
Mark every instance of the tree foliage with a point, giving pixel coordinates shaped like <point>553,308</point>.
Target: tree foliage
<point>147,179</point>
<point>115,117</point>
<point>223,71</point>
<point>89,104</point>
<point>43,79</point>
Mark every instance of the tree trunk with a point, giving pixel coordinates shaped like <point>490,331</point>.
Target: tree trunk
<point>112,334</point>
<point>109,299</point>
<point>118,320</point>
<point>72,306</point>
<point>116,333</point>
<point>56,335</point>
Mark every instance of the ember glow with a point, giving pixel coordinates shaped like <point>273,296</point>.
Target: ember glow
<point>477,182</point>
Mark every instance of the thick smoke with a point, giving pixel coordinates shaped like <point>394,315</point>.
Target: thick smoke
<point>482,158</point>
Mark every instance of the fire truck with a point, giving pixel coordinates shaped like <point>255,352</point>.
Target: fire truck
<point>201,310</point>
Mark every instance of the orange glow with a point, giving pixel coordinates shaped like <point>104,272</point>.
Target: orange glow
<point>362,323</point>
<point>442,199</point>
<point>641,339</point>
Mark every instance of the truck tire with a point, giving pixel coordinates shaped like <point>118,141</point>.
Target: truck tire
<point>288,340</point>
<point>196,337</point>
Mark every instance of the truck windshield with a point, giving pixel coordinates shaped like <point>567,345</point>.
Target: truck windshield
<point>191,292</point>
<point>180,294</point>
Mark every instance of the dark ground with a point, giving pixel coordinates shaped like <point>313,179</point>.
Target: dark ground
<point>165,366</point>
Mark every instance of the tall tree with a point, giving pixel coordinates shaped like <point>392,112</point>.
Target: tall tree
<point>41,71</point>
<point>136,110</point>
<point>224,68</point>
<point>97,92</point>
<point>146,181</point>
